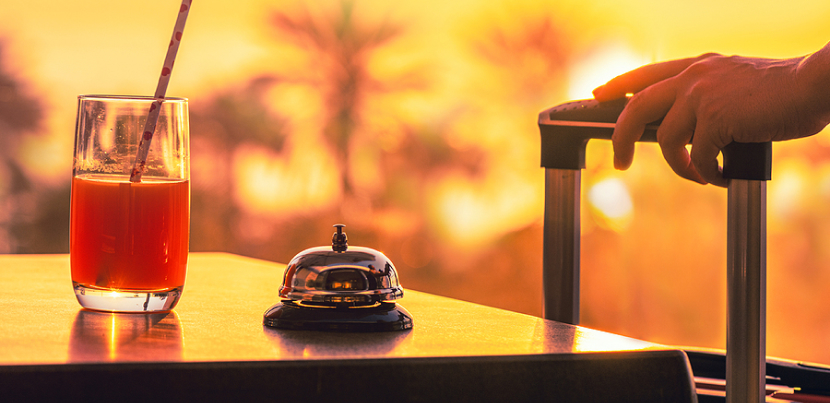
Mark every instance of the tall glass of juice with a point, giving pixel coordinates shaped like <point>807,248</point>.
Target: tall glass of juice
<point>129,240</point>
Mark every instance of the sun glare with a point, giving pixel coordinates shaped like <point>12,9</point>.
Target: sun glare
<point>600,65</point>
<point>268,184</point>
<point>787,191</point>
<point>611,201</point>
<point>472,214</point>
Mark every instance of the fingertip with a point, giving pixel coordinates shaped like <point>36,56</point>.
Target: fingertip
<point>709,171</point>
<point>719,180</point>
<point>705,159</point>
<point>681,164</point>
<point>605,93</point>
<point>598,91</point>
<point>699,179</point>
<point>721,183</point>
<point>621,164</point>
<point>623,147</point>
<point>692,175</point>
<point>694,178</point>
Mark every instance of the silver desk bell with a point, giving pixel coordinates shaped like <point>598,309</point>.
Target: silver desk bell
<point>339,288</point>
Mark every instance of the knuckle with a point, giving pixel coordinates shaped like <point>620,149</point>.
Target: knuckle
<point>699,68</point>
<point>705,64</point>
<point>708,55</point>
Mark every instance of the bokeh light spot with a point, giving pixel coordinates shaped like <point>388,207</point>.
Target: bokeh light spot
<point>611,201</point>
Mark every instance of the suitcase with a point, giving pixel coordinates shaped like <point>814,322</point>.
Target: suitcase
<point>565,131</point>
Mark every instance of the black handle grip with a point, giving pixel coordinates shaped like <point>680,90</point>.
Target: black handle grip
<point>566,129</point>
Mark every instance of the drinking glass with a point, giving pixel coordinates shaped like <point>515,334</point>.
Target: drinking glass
<point>129,240</point>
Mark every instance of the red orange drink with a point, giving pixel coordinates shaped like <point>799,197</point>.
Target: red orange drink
<point>130,214</point>
<point>129,236</point>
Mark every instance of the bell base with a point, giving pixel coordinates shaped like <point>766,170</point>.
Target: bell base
<point>383,317</point>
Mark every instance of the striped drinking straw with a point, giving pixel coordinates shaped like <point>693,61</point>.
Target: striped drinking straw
<point>161,89</point>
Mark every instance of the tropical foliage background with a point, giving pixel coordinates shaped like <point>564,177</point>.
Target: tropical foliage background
<point>414,123</point>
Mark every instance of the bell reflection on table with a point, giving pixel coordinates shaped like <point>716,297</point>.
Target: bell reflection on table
<point>292,344</point>
<point>108,336</point>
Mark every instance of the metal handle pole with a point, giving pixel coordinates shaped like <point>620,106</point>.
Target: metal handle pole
<point>746,291</point>
<point>560,250</point>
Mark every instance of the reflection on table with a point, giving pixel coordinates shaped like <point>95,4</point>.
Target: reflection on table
<point>123,337</point>
<point>215,347</point>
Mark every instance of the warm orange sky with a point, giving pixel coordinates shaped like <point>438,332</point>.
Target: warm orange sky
<point>63,49</point>
<point>90,46</point>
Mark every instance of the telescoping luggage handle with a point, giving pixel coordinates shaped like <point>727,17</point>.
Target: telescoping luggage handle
<point>565,131</point>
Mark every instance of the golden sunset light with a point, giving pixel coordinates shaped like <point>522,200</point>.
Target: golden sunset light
<point>414,123</point>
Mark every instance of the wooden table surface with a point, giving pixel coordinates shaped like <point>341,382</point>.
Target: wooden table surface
<point>214,344</point>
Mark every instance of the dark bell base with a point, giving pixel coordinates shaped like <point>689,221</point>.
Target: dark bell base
<point>383,318</point>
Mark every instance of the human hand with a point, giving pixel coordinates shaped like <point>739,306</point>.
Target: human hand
<point>711,101</point>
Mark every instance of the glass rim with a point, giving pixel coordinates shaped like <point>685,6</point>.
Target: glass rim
<point>105,97</point>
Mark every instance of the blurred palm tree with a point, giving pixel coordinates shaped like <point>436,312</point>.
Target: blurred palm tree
<point>532,59</point>
<point>340,49</point>
<point>20,114</point>
<point>221,124</point>
<point>394,214</point>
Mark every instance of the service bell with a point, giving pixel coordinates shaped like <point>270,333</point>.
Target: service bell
<point>340,288</point>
